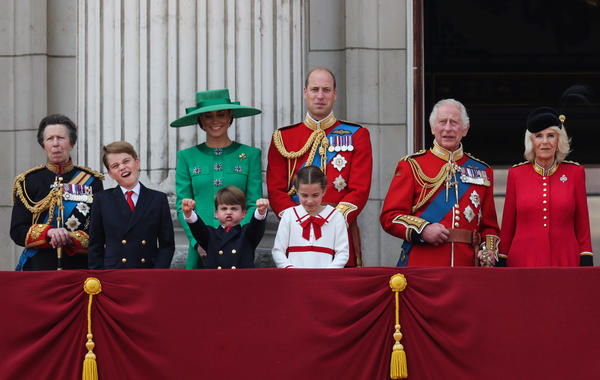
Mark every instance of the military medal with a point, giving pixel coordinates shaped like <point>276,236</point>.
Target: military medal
<point>339,162</point>
<point>72,223</point>
<point>83,208</point>
<point>475,199</point>
<point>469,213</point>
<point>563,179</point>
<point>337,144</point>
<point>475,176</point>
<point>339,183</point>
<point>331,147</point>
<point>350,145</point>
<point>77,193</point>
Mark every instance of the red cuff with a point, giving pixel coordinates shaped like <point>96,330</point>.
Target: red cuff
<point>37,236</point>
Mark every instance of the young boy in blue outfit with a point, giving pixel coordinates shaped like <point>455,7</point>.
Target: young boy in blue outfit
<point>131,225</point>
<point>230,245</point>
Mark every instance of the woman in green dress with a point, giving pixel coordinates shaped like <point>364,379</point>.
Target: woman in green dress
<point>204,169</point>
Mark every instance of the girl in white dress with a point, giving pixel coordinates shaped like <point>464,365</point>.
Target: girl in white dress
<point>311,235</point>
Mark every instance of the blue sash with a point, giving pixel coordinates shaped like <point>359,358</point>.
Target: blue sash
<point>69,206</point>
<point>438,208</point>
<point>330,155</point>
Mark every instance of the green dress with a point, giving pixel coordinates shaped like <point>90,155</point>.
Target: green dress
<point>202,171</point>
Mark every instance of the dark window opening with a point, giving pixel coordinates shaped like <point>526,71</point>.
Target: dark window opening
<point>502,59</point>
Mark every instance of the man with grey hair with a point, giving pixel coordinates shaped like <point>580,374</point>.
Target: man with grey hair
<point>441,200</point>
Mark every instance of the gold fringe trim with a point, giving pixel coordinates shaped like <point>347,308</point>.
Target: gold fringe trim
<point>91,286</point>
<point>398,367</point>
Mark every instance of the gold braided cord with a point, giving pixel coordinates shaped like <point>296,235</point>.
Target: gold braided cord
<point>429,186</point>
<point>317,139</point>
<point>36,208</point>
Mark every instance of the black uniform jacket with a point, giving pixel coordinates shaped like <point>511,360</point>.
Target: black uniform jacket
<point>120,238</point>
<point>227,249</point>
<point>35,186</point>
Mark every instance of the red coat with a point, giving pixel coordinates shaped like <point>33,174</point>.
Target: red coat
<point>353,179</point>
<point>545,220</point>
<point>475,211</point>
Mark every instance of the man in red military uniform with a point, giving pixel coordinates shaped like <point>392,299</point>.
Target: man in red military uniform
<point>342,150</point>
<point>441,200</point>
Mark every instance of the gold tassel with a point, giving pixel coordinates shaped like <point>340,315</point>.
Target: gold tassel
<point>91,286</point>
<point>398,367</point>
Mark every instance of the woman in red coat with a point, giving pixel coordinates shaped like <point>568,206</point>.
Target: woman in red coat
<point>545,220</point>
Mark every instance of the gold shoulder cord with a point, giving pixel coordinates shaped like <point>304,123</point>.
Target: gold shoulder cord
<point>36,208</point>
<point>318,137</point>
<point>429,186</point>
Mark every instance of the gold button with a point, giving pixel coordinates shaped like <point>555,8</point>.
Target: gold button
<point>143,260</point>
<point>456,224</point>
<point>545,194</point>
<point>123,241</point>
<point>233,267</point>
<point>123,260</point>
<point>457,217</point>
<point>219,267</point>
<point>233,251</point>
<point>545,184</point>
<point>544,178</point>
<point>143,242</point>
<point>545,217</point>
<point>545,225</point>
<point>545,189</point>
<point>457,212</point>
<point>545,209</point>
<point>220,252</point>
<point>544,201</point>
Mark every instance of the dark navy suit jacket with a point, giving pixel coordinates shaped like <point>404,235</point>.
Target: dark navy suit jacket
<point>229,249</point>
<point>120,238</point>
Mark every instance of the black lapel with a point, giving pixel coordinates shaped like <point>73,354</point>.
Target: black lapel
<point>227,236</point>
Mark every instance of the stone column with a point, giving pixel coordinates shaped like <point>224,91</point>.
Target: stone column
<point>365,44</point>
<point>140,64</point>
<point>37,61</point>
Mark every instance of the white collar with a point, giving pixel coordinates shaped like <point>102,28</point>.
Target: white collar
<point>136,189</point>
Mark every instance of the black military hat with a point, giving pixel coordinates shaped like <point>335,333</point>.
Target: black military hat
<point>542,118</point>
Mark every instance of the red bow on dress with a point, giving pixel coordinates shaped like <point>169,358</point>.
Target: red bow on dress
<point>316,222</point>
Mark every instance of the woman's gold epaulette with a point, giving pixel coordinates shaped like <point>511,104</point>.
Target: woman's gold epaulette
<point>477,159</point>
<point>419,153</point>
<point>19,179</point>
<point>521,164</point>
<point>96,174</point>
<point>572,162</point>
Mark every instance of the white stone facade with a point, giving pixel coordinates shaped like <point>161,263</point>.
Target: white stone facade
<point>124,69</point>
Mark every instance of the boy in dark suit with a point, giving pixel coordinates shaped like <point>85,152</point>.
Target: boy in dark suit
<point>131,225</point>
<point>230,245</point>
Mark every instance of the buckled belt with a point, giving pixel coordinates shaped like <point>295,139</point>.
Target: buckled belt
<point>459,235</point>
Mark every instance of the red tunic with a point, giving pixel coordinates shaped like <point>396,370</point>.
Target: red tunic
<point>349,184</point>
<point>545,220</point>
<point>475,210</point>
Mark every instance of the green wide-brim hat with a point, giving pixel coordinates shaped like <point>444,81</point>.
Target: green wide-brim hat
<point>213,100</point>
